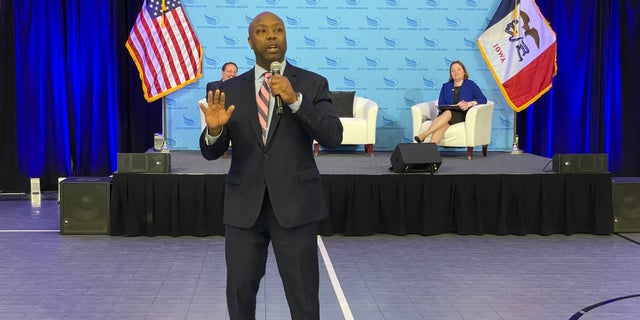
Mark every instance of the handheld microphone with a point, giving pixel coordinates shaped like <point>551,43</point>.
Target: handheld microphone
<point>275,69</point>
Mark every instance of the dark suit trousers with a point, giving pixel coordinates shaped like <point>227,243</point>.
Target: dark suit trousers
<point>296,254</point>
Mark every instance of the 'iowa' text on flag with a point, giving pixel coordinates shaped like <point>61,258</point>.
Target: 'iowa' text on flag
<point>164,48</point>
<point>519,47</point>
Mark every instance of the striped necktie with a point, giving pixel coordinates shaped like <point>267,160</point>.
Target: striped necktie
<point>263,104</point>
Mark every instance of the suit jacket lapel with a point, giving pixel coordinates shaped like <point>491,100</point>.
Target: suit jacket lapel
<point>290,72</point>
<point>250,105</point>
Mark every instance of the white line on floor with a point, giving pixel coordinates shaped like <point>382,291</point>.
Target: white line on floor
<point>344,305</point>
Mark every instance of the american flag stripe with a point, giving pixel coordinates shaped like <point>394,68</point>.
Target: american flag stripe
<point>187,49</point>
<point>178,53</point>
<point>165,57</point>
<point>164,48</point>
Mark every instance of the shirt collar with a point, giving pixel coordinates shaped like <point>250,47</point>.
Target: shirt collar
<point>259,71</point>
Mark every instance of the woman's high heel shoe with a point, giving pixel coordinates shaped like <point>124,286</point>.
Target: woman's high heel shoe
<point>417,139</point>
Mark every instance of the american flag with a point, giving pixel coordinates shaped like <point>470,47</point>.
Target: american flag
<point>164,48</point>
<point>519,47</point>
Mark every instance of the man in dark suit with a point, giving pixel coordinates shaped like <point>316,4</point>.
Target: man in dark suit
<point>229,70</point>
<point>273,191</point>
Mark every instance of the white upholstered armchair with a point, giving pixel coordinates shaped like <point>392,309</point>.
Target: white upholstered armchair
<point>474,131</point>
<point>361,128</point>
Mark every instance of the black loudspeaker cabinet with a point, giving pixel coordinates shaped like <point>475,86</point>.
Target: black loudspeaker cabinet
<point>84,205</point>
<point>415,157</point>
<point>593,162</point>
<point>150,162</point>
<point>626,204</point>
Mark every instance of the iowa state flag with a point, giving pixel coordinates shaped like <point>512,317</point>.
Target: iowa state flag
<point>519,47</point>
<point>164,48</point>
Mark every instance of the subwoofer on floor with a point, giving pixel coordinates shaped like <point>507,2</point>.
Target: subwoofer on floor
<point>415,157</point>
<point>150,162</point>
<point>589,162</point>
<point>626,204</point>
<point>84,205</point>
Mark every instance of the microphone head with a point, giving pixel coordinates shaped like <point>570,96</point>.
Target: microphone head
<point>275,67</point>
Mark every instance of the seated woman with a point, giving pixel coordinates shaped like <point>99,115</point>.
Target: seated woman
<point>460,91</point>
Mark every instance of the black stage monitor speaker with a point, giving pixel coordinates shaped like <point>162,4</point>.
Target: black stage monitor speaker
<point>150,162</point>
<point>626,204</point>
<point>415,157</point>
<point>84,205</point>
<point>595,162</point>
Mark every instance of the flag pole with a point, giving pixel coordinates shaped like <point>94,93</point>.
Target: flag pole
<point>165,148</point>
<point>515,149</point>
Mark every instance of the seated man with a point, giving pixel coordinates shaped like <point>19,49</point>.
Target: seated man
<point>229,70</point>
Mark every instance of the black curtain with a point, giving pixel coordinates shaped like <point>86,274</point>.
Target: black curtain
<point>630,69</point>
<point>592,106</point>
<point>138,119</point>
<point>54,95</point>
<point>11,179</point>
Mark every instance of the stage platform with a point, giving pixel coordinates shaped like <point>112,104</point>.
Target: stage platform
<point>500,194</point>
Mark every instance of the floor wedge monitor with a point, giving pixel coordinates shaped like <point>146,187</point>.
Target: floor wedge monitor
<point>415,157</point>
<point>626,204</point>
<point>588,162</point>
<point>84,205</point>
<point>149,162</point>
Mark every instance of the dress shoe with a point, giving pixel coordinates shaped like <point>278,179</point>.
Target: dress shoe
<point>417,139</point>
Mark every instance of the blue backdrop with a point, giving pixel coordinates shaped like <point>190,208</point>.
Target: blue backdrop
<point>396,53</point>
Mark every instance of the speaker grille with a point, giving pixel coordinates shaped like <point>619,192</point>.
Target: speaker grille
<point>84,205</point>
<point>626,204</point>
<point>594,163</point>
<point>415,157</point>
<point>159,162</point>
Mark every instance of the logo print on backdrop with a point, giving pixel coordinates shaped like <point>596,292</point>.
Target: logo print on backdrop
<point>250,60</point>
<point>409,102</point>
<point>430,43</point>
<point>292,22</point>
<point>411,63</point>
<point>372,62</point>
<point>412,23</point>
<point>230,41</point>
<point>350,82</point>
<point>453,23</point>
<point>351,42</point>
<point>428,83</point>
<point>332,21</point>
<point>373,22</point>
<point>311,42</point>
<point>389,82</point>
<point>390,42</point>
<point>331,62</point>
<point>294,61</point>
<point>352,3</point>
<point>214,21</point>
<point>431,3</point>
<point>213,62</point>
<point>471,3</point>
<point>190,122</point>
<point>471,44</point>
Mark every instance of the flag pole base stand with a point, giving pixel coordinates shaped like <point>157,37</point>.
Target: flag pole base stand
<point>164,148</point>
<point>515,149</point>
